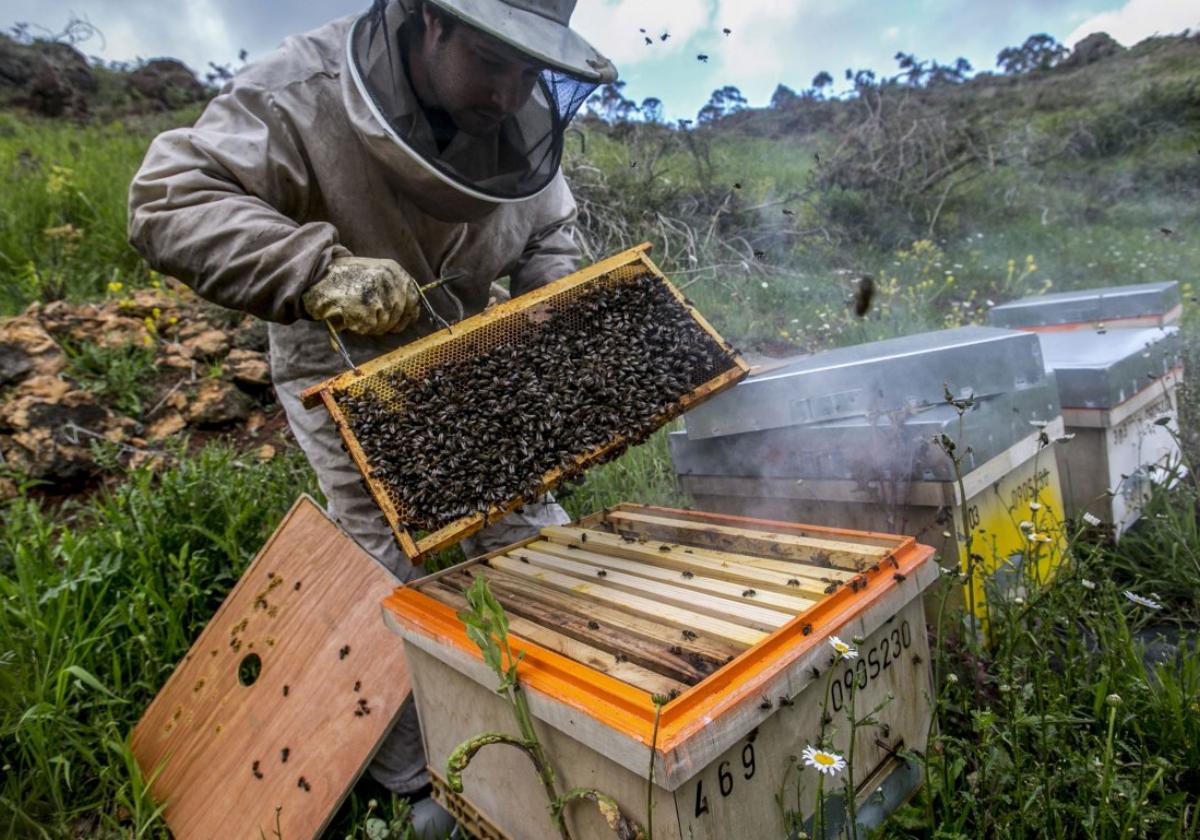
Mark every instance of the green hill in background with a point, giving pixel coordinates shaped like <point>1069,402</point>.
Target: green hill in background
<point>1069,170</point>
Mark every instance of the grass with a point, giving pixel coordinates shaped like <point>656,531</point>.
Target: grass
<point>99,599</point>
<point>122,375</point>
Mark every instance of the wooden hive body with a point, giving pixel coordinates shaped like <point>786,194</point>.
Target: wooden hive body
<point>597,647</point>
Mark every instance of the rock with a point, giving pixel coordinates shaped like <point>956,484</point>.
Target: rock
<point>251,334</point>
<point>8,489</point>
<point>208,344</point>
<point>27,349</point>
<point>176,361</point>
<point>50,428</point>
<point>249,369</point>
<point>167,84</point>
<point>170,423</point>
<point>257,421</point>
<point>176,400</point>
<point>218,403</point>
<point>266,452</point>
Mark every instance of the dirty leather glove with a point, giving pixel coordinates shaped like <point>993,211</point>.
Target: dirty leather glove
<point>364,295</point>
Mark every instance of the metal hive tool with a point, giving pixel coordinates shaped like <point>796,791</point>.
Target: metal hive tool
<point>507,323</point>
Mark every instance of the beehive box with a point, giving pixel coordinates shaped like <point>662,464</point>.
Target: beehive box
<point>575,377</point>
<point>1135,305</point>
<point>847,438</point>
<point>730,617</point>
<point>1118,391</point>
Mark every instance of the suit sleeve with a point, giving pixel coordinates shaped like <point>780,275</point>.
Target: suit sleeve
<point>551,252</point>
<point>216,206</point>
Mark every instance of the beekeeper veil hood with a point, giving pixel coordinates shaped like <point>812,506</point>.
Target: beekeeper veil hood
<point>469,175</point>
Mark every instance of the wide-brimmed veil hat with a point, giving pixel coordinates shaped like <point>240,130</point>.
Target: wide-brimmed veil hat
<point>470,175</point>
<point>540,29</point>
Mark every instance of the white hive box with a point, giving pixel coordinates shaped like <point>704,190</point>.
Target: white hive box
<point>846,438</point>
<point>1136,305</point>
<point>1118,390</point>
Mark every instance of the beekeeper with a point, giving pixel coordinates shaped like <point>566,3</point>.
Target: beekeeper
<point>419,141</point>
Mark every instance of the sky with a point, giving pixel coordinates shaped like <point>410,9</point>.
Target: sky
<point>770,41</point>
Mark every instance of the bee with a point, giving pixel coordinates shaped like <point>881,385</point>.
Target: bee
<point>831,588</point>
<point>357,685</point>
<point>676,650</point>
<point>296,588</point>
<point>784,700</point>
<point>687,575</point>
<point>583,538</point>
<point>286,690</point>
<point>864,292</point>
<point>689,634</point>
<point>620,657</point>
<point>673,693</point>
<point>344,652</point>
<point>765,704</point>
<point>749,593</point>
<point>752,736</point>
<point>664,547</point>
<point>892,560</point>
<point>601,573</point>
<point>283,755</point>
<point>573,546</point>
<point>593,625</point>
<point>793,582</point>
<point>303,784</point>
<point>815,671</point>
<point>916,659</point>
<point>254,769</point>
<point>806,629</point>
<point>899,578</point>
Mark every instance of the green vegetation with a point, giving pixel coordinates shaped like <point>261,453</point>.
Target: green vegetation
<point>1091,179</point>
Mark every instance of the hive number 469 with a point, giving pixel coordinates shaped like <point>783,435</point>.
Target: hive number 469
<point>725,778</point>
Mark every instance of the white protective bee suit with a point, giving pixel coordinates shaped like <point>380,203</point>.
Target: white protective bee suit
<point>321,150</point>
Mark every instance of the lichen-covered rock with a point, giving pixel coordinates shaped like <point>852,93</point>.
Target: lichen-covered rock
<point>218,403</point>
<point>46,430</point>
<point>26,349</point>
<point>248,369</point>
<point>167,424</point>
<point>209,344</point>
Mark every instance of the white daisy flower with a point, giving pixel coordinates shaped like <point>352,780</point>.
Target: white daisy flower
<point>1091,519</point>
<point>844,650</point>
<point>1143,602</point>
<point>1026,526</point>
<point>829,763</point>
<point>1087,584</point>
<point>1035,505</point>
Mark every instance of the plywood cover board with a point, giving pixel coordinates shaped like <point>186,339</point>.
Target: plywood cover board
<point>309,594</point>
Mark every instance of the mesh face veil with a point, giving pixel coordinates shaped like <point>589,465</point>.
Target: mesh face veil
<point>515,162</point>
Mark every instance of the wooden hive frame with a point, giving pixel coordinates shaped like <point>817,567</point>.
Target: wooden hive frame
<point>461,335</point>
<point>758,598</point>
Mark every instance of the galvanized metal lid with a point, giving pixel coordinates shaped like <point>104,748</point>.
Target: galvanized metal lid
<point>897,446</point>
<point>901,373</point>
<point>1102,369</point>
<point>1145,304</point>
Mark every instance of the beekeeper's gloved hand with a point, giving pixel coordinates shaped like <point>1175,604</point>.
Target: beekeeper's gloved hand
<point>364,295</point>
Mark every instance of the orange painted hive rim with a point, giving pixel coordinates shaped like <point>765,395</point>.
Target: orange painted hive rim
<point>630,710</point>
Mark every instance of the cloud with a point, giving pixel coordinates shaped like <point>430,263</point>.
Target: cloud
<point>1139,19</point>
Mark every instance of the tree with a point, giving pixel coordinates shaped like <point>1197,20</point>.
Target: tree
<point>652,110</point>
<point>783,97</point>
<point>912,69</point>
<point>1039,52</point>
<point>822,80</point>
<point>723,102</point>
<point>610,104</point>
<point>949,74</point>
